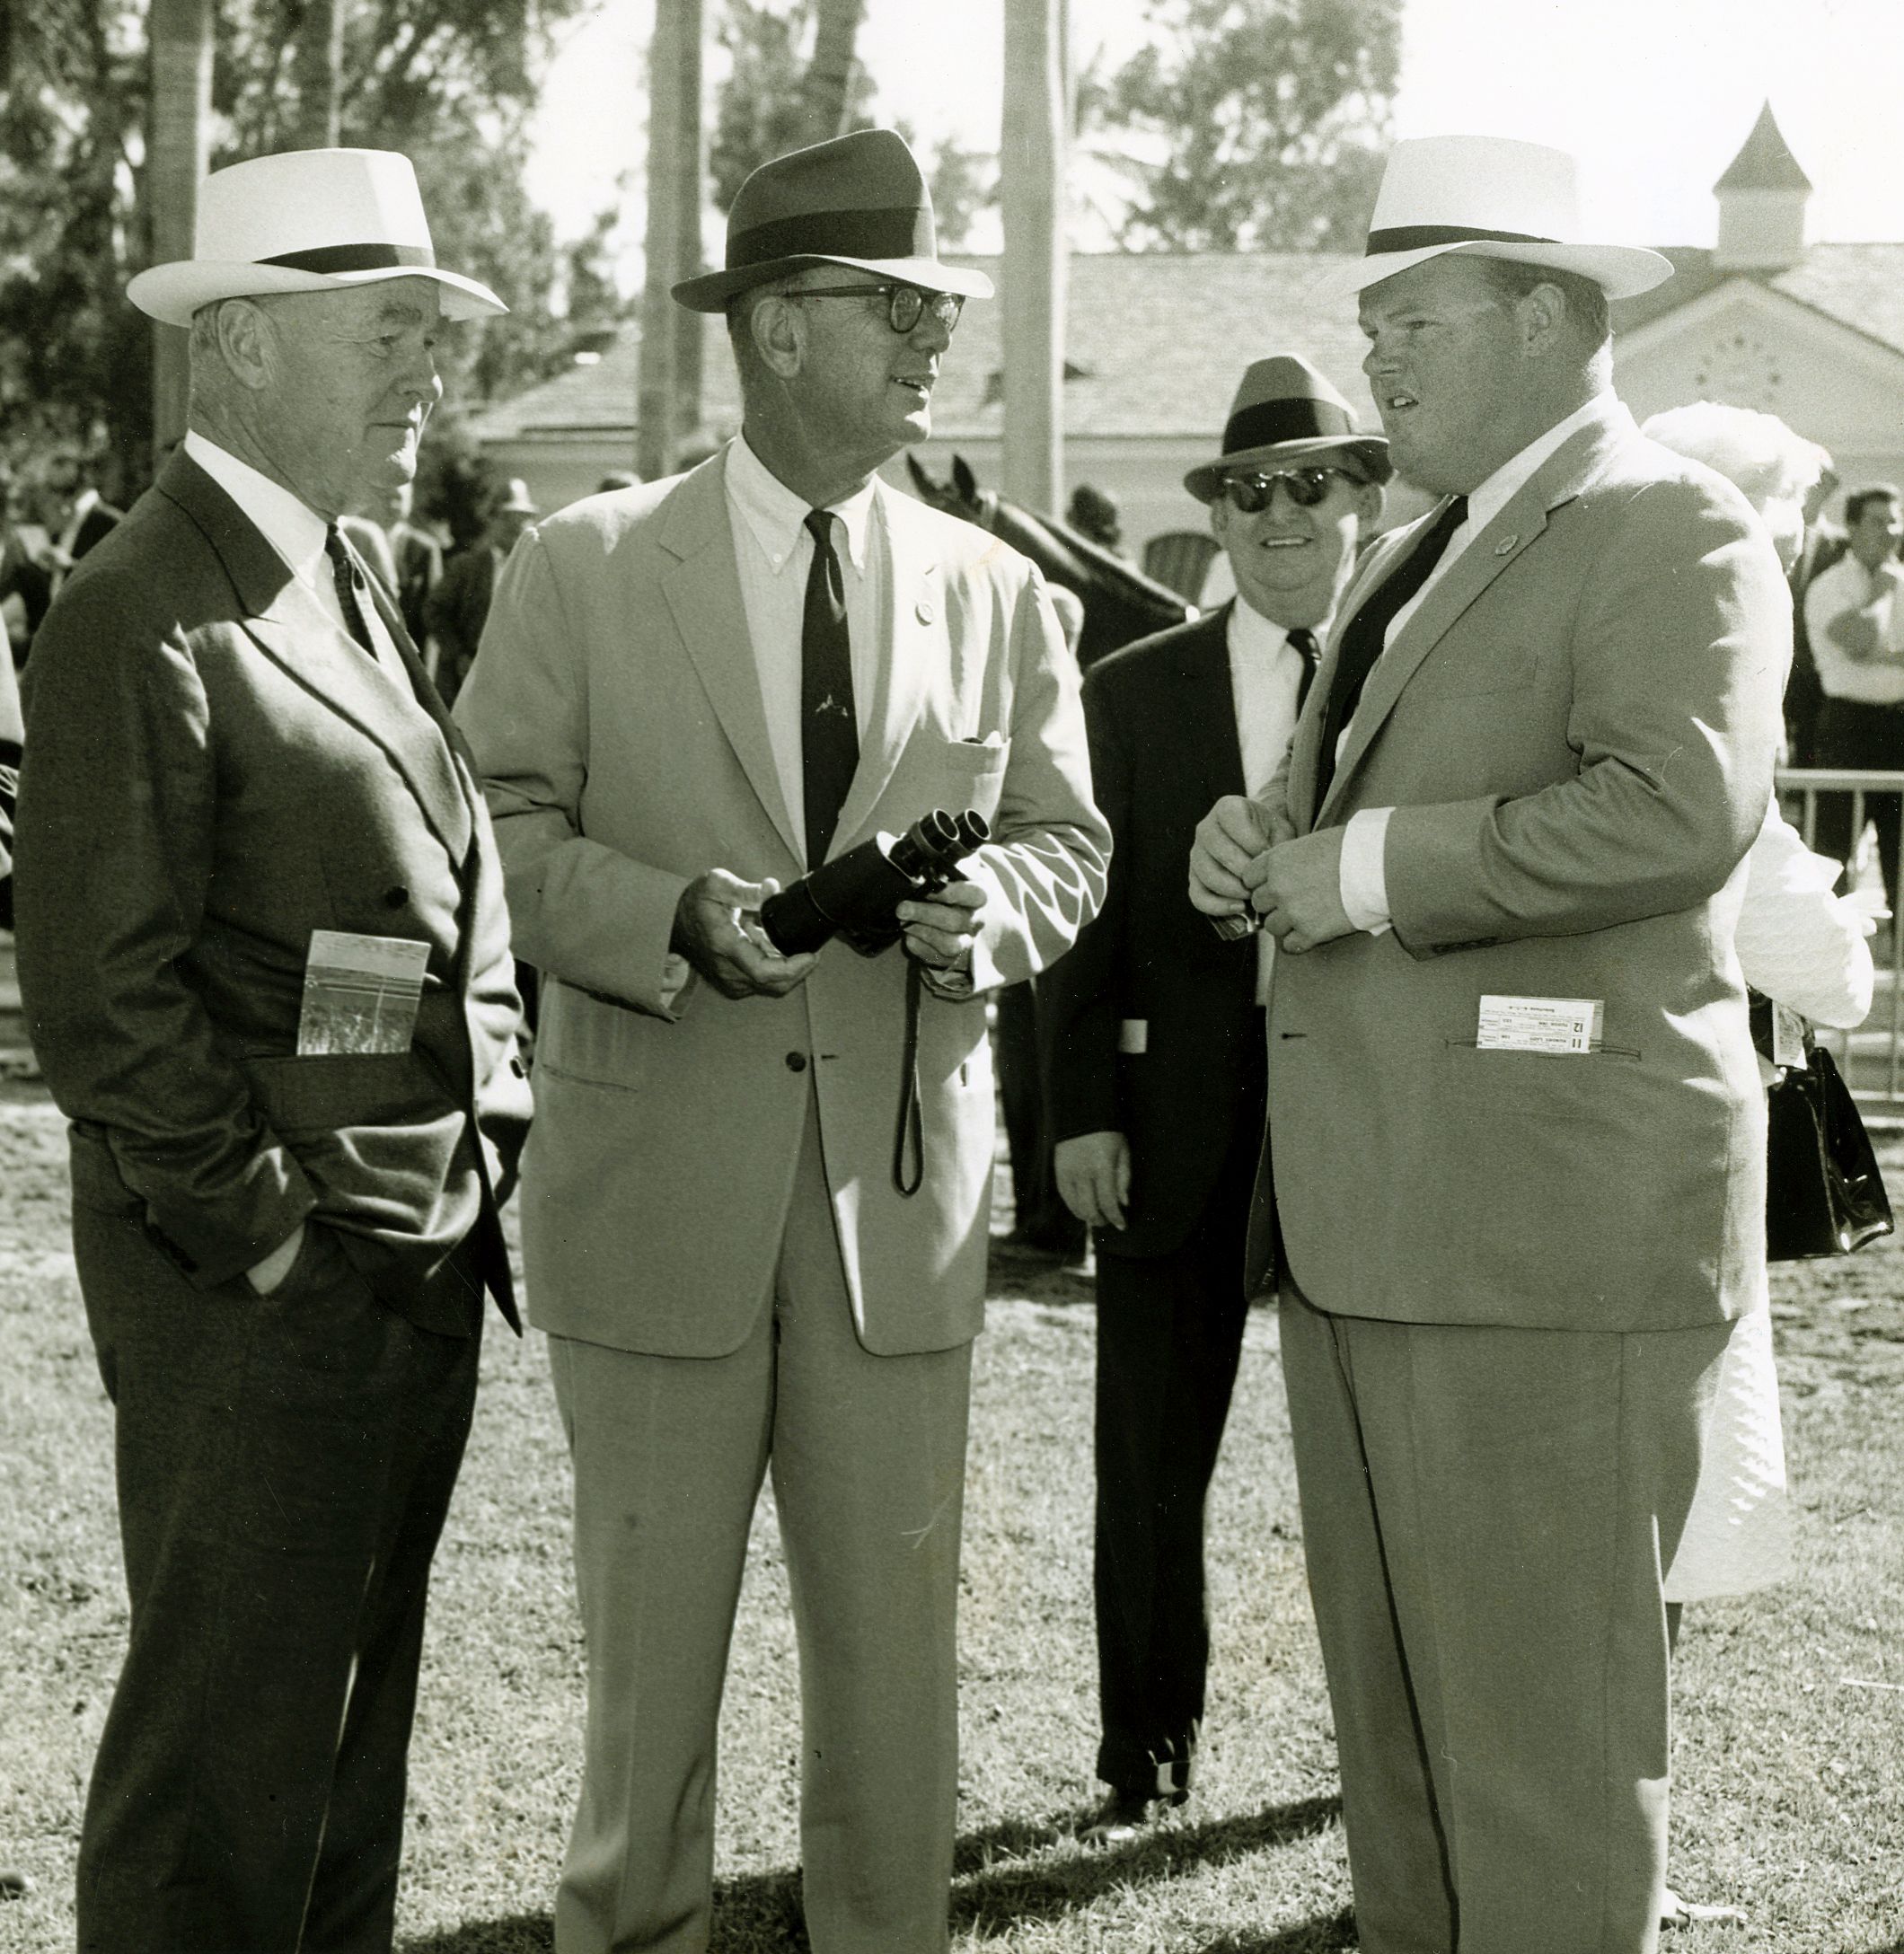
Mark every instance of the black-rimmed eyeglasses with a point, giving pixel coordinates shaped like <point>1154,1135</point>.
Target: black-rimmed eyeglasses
<point>905,304</point>
<point>1250,495</point>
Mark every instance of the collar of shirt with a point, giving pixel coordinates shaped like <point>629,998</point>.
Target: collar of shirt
<point>292,528</point>
<point>1254,636</point>
<point>1501,488</point>
<point>777,517</point>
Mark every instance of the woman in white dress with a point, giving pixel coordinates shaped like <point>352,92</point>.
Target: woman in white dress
<point>1805,947</point>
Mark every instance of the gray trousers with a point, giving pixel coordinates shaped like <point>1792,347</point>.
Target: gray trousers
<point>1486,1514</point>
<point>867,1456</point>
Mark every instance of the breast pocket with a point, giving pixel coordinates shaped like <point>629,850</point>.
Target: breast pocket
<point>973,774</point>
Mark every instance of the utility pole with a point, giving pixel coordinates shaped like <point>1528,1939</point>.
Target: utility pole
<point>1033,155</point>
<point>175,164</point>
<point>658,400</point>
<point>689,327</point>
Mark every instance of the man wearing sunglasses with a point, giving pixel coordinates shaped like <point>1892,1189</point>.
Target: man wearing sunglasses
<point>1157,1042</point>
<point>688,693</point>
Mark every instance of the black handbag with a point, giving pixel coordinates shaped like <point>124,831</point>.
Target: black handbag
<point>1824,1195</point>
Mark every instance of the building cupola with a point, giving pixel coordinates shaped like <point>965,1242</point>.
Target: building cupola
<point>1762,202</point>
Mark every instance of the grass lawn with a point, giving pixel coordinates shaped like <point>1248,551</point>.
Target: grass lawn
<point>1789,1799</point>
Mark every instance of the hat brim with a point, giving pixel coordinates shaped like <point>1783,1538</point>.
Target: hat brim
<point>1620,270</point>
<point>173,293</point>
<point>713,290</point>
<point>1369,451</point>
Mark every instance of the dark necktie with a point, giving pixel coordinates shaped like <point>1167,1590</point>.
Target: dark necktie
<point>829,731</point>
<point>1302,642</point>
<point>350,582</point>
<point>1363,636</point>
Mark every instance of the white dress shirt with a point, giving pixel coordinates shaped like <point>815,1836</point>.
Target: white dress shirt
<point>773,551</point>
<point>1848,585</point>
<point>1363,878</point>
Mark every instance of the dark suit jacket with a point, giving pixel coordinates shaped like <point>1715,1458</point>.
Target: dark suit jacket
<point>457,611</point>
<point>1162,725</point>
<point>95,525</point>
<point>216,772</point>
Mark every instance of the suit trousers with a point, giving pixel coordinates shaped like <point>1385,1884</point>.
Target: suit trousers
<point>285,1465</point>
<point>867,1456</point>
<point>1169,1335</point>
<point>1487,1513</point>
<point>1850,733</point>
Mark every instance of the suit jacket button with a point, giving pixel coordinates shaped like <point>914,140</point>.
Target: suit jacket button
<point>796,1061</point>
<point>395,897</point>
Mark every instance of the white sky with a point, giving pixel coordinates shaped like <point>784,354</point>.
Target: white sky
<point>1655,96</point>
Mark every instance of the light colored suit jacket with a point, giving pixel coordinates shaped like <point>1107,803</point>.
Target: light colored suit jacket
<point>1576,732</point>
<point>616,713</point>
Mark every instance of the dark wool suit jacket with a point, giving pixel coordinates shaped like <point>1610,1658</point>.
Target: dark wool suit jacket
<point>1162,725</point>
<point>218,771</point>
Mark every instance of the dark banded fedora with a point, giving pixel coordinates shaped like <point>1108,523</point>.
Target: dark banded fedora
<point>305,220</point>
<point>1285,412</point>
<point>1493,198</point>
<point>859,200</point>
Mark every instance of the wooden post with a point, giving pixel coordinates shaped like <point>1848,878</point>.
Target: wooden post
<point>1032,181</point>
<point>318,62</point>
<point>689,327</point>
<point>655,398</point>
<point>175,164</point>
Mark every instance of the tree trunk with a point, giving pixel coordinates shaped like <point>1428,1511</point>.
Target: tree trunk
<point>319,65</point>
<point>828,86</point>
<point>175,164</point>
<point>1031,181</point>
<point>689,327</point>
<point>654,424</point>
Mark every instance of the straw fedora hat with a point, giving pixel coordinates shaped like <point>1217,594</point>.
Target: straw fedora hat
<point>859,200</point>
<point>1492,197</point>
<point>308,220</point>
<point>517,500</point>
<point>1286,411</point>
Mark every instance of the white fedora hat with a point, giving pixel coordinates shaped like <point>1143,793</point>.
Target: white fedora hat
<point>1492,197</point>
<point>308,220</point>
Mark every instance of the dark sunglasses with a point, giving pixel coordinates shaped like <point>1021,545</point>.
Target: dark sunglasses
<point>1250,495</point>
<point>905,304</point>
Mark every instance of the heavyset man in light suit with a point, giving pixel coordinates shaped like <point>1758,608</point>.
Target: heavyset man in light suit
<point>283,1234</point>
<point>716,1236</point>
<point>1516,1143</point>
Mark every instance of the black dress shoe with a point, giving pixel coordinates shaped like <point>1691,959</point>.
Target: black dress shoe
<point>1127,1813</point>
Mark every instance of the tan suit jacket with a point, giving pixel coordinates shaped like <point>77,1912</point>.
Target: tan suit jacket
<point>616,713</point>
<point>1576,732</point>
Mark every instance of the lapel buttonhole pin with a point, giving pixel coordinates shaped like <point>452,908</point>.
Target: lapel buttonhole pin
<point>924,611</point>
<point>1505,545</point>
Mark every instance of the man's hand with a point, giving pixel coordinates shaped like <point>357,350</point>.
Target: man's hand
<point>1094,1176</point>
<point>1300,896</point>
<point>716,929</point>
<point>266,1275</point>
<point>1228,859</point>
<point>940,932</point>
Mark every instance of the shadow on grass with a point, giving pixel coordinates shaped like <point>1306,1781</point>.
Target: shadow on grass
<point>1019,1870</point>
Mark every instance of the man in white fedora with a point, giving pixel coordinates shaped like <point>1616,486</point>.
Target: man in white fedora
<point>263,952</point>
<point>1517,1139</point>
<point>755,1212</point>
<point>1155,1036</point>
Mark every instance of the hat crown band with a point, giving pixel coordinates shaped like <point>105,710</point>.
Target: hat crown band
<point>1268,422</point>
<point>1416,237</point>
<point>332,257</point>
<point>899,231</point>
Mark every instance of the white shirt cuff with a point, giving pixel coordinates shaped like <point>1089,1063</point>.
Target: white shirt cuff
<point>1365,885</point>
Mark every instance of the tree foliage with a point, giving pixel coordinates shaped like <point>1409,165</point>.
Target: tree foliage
<point>450,83</point>
<point>1258,122</point>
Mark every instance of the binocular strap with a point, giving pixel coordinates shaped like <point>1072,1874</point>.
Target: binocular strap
<point>911,1134</point>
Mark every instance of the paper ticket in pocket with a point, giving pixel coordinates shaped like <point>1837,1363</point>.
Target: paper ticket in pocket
<point>361,994</point>
<point>1556,1025</point>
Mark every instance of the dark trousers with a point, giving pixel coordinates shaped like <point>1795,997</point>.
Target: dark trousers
<point>1169,1334</point>
<point>284,1463</point>
<point>1039,1214</point>
<point>1850,735</point>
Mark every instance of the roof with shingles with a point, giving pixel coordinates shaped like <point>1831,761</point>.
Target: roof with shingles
<point>1158,340</point>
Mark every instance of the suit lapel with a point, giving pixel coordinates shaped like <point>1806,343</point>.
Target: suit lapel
<point>1501,544</point>
<point>296,633</point>
<point>915,635</point>
<point>1215,747</point>
<point>702,589</point>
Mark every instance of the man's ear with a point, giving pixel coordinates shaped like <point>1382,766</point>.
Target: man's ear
<point>1219,520</point>
<point>780,335</point>
<point>1368,504</point>
<point>1543,315</point>
<point>244,338</point>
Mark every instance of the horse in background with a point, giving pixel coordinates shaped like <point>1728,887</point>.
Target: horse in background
<point>1121,604</point>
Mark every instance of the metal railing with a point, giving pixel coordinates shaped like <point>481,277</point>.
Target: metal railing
<point>1872,1056</point>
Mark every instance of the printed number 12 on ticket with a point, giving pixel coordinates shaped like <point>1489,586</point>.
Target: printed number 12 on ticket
<point>1556,1024</point>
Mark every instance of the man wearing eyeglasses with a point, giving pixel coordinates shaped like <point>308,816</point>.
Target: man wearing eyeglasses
<point>688,694</point>
<point>1157,1042</point>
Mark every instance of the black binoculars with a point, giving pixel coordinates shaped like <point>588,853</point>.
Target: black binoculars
<point>854,896</point>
